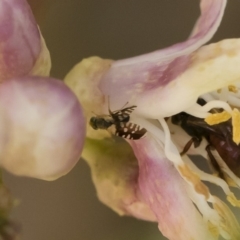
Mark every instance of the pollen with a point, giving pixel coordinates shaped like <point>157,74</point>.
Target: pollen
<point>195,180</point>
<point>233,200</point>
<point>216,118</point>
<point>236,125</point>
<point>213,229</point>
<point>232,88</point>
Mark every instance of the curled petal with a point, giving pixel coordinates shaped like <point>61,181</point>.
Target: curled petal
<point>142,80</point>
<point>42,127</point>
<point>205,27</point>
<point>115,175</point>
<point>20,43</point>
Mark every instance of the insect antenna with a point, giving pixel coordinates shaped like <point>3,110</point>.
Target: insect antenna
<point>124,105</point>
<point>95,114</point>
<point>109,109</point>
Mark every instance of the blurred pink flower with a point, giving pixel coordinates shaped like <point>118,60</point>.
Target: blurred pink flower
<point>42,125</point>
<point>148,178</point>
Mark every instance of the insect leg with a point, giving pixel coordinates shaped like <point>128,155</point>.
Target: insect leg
<point>214,162</point>
<point>194,141</point>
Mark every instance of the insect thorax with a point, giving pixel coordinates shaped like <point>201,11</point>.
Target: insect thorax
<point>100,123</point>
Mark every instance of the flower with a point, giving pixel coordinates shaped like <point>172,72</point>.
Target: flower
<point>42,124</point>
<point>148,178</point>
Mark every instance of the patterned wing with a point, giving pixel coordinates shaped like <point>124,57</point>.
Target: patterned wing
<point>129,130</point>
<point>122,115</point>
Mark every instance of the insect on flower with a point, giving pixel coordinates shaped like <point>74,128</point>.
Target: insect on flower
<point>120,120</point>
<point>218,136</point>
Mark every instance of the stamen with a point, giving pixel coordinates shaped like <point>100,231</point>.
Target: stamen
<point>236,125</point>
<point>214,230</point>
<point>230,227</point>
<point>169,148</point>
<point>216,104</point>
<point>226,170</point>
<point>222,117</point>
<point>233,200</point>
<point>234,100</point>
<point>208,177</point>
<point>163,138</point>
<point>207,97</point>
<point>197,111</point>
<point>209,214</point>
<point>217,118</point>
<point>203,111</point>
<point>197,190</point>
<point>150,127</point>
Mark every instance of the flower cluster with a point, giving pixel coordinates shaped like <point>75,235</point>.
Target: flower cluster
<point>43,124</point>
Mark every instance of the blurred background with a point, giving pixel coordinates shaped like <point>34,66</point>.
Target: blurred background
<point>74,29</point>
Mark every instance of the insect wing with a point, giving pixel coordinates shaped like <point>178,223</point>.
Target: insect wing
<point>129,130</point>
<point>122,115</point>
<point>217,129</point>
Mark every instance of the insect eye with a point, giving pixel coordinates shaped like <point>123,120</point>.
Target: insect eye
<point>92,123</point>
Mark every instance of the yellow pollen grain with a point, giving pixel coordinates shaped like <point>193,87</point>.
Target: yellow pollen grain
<point>233,200</point>
<point>213,229</point>
<point>216,118</point>
<point>229,181</point>
<point>192,177</point>
<point>236,125</point>
<point>232,88</point>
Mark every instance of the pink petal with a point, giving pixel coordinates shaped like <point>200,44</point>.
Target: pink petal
<point>20,42</point>
<point>164,190</point>
<point>42,127</point>
<point>114,171</point>
<point>138,79</point>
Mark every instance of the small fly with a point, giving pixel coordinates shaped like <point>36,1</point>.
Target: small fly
<point>121,120</point>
